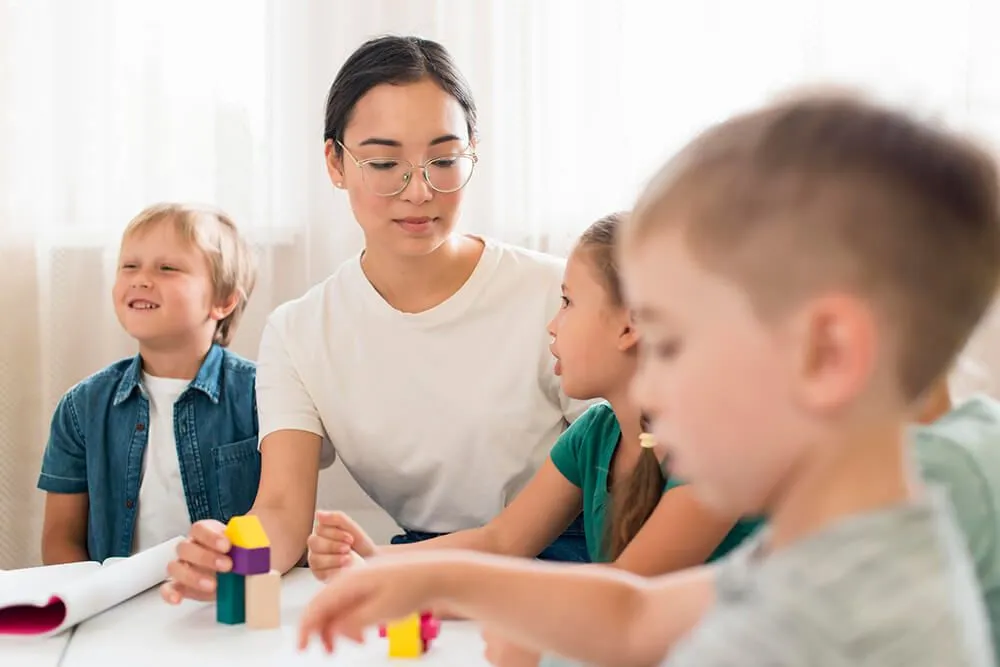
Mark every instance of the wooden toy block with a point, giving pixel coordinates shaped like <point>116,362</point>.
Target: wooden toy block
<point>404,638</point>
<point>230,598</point>
<point>412,636</point>
<point>247,532</point>
<point>263,600</point>
<point>250,561</point>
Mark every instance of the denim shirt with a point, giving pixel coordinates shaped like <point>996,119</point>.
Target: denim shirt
<point>99,433</point>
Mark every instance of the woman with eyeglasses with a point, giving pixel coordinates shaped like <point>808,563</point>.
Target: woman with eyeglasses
<point>424,361</point>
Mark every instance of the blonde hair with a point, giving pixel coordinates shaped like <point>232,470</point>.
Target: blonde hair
<point>231,263</point>
<point>827,190</point>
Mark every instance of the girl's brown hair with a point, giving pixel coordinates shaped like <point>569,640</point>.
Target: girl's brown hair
<point>638,496</point>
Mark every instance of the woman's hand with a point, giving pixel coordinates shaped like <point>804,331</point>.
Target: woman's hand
<point>199,558</point>
<point>336,542</point>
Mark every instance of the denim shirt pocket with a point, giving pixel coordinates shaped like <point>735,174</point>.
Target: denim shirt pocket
<point>237,473</point>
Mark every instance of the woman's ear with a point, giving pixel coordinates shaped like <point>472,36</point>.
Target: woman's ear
<point>334,164</point>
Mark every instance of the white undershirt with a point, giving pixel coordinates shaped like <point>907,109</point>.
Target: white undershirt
<point>163,512</point>
<point>440,416</point>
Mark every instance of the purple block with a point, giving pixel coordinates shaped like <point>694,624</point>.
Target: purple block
<point>250,561</point>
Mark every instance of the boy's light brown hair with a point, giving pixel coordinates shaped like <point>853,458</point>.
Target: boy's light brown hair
<point>231,263</point>
<point>829,191</point>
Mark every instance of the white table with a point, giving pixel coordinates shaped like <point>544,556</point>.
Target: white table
<point>32,652</point>
<point>147,631</point>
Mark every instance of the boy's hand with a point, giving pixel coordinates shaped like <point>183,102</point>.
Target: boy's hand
<point>360,597</point>
<point>502,653</point>
<point>199,558</point>
<point>333,538</point>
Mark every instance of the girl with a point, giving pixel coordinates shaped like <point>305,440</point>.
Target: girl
<point>422,362</point>
<point>633,518</point>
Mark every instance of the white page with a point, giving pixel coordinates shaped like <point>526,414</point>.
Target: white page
<point>84,589</point>
<point>35,585</point>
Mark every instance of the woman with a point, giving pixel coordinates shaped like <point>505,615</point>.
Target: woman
<point>423,363</point>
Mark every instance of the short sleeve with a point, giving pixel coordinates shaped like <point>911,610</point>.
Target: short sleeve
<point>568,454</point>
<point>945,463</point>
<point>672,482</point>
<point>572,409</point>
<point>64,464</point>
<point>283,402</point>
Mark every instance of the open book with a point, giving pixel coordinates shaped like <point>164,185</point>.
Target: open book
<point>44,601</point>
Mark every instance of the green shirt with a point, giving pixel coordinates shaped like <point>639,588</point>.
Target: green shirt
<point>583,454</point>
<point>961,453</point>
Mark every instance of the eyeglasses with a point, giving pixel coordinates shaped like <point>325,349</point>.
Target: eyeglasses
<point>387,177</point>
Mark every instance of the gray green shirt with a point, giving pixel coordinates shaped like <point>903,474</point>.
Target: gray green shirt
<point>961,453</point>
<point>893,588</point>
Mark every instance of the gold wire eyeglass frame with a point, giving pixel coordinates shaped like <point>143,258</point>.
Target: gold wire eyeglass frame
<point>408,175</point>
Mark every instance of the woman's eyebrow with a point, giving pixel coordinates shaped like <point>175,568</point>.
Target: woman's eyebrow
<point>382,141</point>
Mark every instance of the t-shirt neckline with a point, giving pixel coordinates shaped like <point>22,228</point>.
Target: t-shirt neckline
<point>452,307</point>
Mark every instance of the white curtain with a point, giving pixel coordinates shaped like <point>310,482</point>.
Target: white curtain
<point>108,105</point>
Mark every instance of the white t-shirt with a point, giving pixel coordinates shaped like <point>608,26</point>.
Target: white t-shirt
<point>440,416</point>
<point>163,512</point>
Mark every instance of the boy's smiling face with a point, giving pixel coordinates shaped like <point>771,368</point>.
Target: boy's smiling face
<point>163,291</point>
<point>714,379</point>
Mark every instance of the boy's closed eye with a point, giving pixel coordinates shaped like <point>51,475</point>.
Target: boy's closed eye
<point>668,350</point>
<point>664,350</point>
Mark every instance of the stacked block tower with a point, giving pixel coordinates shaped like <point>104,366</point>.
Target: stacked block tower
<point>410,637</point>
<point>251,592</point>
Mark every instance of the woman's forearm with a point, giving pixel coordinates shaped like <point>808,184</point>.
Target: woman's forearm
<point>287,533</point>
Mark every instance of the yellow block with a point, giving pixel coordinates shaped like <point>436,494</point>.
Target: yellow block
<point>263,600</point>
<point>246,532</point>
<point>404,638</point>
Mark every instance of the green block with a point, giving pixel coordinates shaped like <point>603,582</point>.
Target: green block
<point>230,598</point>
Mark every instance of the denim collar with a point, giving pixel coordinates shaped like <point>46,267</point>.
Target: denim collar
<point>208,380</point>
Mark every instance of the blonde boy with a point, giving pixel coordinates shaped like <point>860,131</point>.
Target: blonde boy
<point>800,276</point>
<point>146,446</point>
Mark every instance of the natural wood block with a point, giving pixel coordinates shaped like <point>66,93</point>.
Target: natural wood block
<point>263,600</point>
